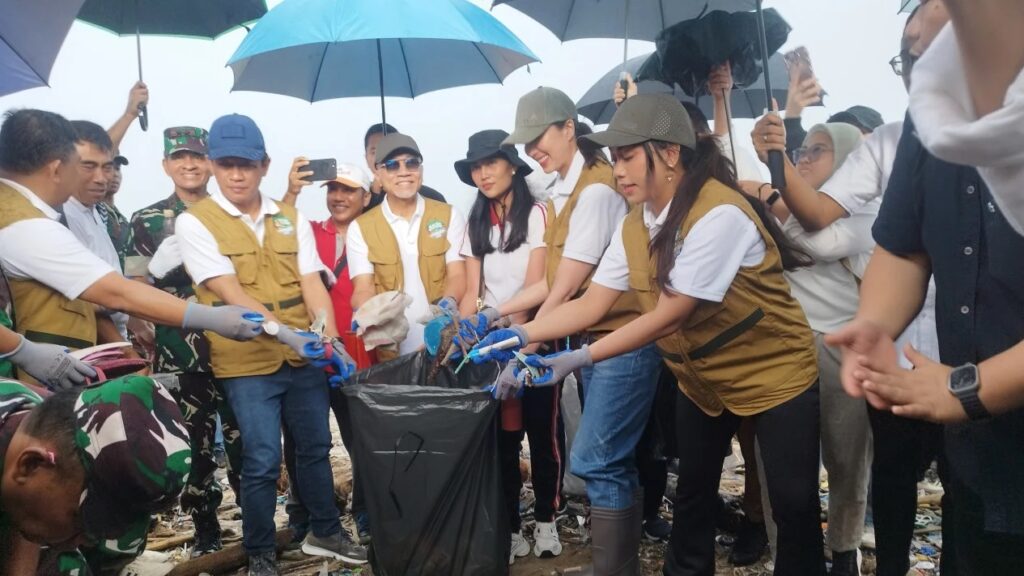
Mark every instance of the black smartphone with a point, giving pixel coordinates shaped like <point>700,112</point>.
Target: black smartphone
<point>323,169</point>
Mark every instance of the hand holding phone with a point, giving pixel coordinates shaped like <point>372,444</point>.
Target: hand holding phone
<point>323,169</point>
<point>798,61</point>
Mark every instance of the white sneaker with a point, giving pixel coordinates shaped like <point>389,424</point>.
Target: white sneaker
<point>520,547</point>
<point>547,543</point>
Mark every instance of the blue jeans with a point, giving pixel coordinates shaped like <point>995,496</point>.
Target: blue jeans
<point>617,397</point>
<point>299,397</point>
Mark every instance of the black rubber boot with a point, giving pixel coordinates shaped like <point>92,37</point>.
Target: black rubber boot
<point>751,544</point>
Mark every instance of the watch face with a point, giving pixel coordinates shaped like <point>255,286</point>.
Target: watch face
<point>963,378</point>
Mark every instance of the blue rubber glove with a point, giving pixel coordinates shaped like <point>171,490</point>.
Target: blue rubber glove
<point>472,329</point>
<point>334,356</point>
<point>500,335</point>
<point>306,344</point>
<point>507,385</point>
<point>449,305</point>
<point>555,367</point>
<point>432,334</point>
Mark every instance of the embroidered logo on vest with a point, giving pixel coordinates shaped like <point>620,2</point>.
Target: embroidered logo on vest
<point>283,224</point>
<point>436,228</point>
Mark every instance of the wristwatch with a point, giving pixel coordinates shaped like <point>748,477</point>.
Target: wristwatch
<point>964,384</point>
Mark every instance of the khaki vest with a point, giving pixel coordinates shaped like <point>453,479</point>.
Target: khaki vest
<point>626,307</point>
<point>269,273</point>
<point>44,315</point>
<point>432,245</point>
<point>748,353</point>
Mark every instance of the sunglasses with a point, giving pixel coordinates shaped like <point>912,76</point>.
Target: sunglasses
<point>811,155</point>
<point>902,63</point>
<point>393,165</point>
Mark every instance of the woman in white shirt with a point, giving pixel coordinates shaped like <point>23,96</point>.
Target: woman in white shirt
<point>706,266</point>
<point>504,249</point>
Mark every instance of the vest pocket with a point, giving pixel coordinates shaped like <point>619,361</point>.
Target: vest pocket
<point>432,258</point>
<point>385,271</point>
<point>245,262</point>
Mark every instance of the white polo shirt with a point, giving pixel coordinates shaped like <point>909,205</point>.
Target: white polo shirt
<point>505,272</point>
<point>87,225</point>
<point>598,213</point>
<point>202,257</point>
<point>718,245</point>
<point>407,234</point>
<point>42,249</point>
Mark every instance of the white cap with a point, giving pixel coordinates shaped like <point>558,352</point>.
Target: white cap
<point>351,175</point>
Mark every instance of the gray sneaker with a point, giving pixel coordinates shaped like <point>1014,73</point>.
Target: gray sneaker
<point>337,546</point>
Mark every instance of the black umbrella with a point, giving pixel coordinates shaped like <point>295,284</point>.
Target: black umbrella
<point>689,50</point>
<point>192,18</point>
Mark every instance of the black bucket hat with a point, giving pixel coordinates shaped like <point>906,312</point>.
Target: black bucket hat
<point>486,144</point>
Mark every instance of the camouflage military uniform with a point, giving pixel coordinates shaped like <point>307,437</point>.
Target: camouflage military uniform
<point>118,228</point>
<point>7,321</point>
<point>133,447</point>
<point>187,354</point>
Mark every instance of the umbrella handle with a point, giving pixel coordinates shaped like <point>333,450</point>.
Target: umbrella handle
<point>143,117</point>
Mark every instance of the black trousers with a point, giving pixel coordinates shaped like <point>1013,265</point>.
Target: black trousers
<point>976,551</point>
<point>542,423</point>
<point>788,435</point>
<point>903,450</point>
<point>297,515</point>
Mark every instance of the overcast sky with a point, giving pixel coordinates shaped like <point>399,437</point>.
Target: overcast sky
<point>850,41</point>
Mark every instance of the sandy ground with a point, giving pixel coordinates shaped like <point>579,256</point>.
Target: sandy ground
<point>575,550</point>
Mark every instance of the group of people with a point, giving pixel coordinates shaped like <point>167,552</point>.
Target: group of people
<point>655,264</point>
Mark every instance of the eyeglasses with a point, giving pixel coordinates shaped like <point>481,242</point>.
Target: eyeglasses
<point>811,155</point>
<point>393,165</point>
<point>902,63</point>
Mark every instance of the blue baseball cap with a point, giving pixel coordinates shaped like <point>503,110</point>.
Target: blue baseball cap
<point>236,136</point>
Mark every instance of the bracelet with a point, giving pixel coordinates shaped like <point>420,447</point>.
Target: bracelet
<point>773,198</point>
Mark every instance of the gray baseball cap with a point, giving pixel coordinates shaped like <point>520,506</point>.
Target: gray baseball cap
<point>647,117</point>
<point>393,143</point>
<point>537,110</point>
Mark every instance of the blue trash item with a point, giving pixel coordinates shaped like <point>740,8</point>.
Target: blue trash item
<point>31,34</point>
<point>430,444</point>
<point>322,49</point>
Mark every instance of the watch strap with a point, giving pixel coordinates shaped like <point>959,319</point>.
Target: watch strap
<point>973,406</point>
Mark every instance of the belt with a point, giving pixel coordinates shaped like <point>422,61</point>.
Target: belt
<point>728,335</point>
<point>66,341</point>
<point>289,303</point>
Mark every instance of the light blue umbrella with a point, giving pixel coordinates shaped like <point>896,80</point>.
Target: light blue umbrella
<point>31,34</point>
<point>323,49</point>
<point>908,5</point>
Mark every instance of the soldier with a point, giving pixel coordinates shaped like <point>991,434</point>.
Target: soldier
<point>85,467</point>
<point>118,227</point>
<point>155,258</point>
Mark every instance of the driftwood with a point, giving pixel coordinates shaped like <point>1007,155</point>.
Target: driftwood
<point>168,543</point>
<point>230,558</point>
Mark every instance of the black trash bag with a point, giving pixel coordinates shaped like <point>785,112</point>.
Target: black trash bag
<point>427,452</point>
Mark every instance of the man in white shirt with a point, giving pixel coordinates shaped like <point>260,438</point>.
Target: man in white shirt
<point>392,246</point>
<point>55,280</point>
<point>243,248</point>
<point>96,166</point>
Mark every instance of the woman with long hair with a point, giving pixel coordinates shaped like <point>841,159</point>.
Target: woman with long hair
<point>706,266</point>
<point>504,250</point>
<point>583,212</point>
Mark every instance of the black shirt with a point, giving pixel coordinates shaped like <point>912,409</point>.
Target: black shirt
<point>425,191</point>
<point>946,211</point>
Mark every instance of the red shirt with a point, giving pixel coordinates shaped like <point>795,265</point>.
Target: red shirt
<point>341,293</point>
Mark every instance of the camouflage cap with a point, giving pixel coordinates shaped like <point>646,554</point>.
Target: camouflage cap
<point>185,138</point>
<point>136,454</point>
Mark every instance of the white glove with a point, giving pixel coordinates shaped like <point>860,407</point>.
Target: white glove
<point>167,258</point>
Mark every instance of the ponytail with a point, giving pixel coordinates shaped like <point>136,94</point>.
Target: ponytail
<point>704,164</point>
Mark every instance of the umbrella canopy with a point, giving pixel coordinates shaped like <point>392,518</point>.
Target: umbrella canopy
<point>908,5</point>
<point>322,49</point>
<point>197,18</point>
<point>690,49</point>
<point>748,102</point>
<point>633,19</point>
<point>31,34</point>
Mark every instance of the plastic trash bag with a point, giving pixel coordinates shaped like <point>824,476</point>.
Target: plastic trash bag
<point>430,450</point>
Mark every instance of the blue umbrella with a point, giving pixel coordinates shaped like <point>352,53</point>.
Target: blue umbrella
<point>31,34</point>
<point>322,49</point>
<point>908,5</point>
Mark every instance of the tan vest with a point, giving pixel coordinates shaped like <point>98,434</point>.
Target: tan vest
<point>626,307</point>
<point>269,273</point>
<point>748,353</point>
<point>44,315</point>
<point>432,245</point>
